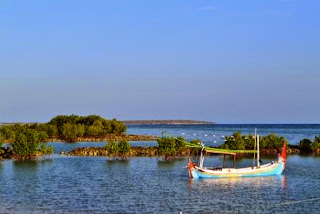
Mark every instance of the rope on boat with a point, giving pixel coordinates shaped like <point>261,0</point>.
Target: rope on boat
<point>298,201</point>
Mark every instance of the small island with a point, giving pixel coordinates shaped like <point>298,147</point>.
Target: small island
<point>165,122</point>
<point>27,140</point>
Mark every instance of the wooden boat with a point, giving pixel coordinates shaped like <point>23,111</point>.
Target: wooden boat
<point>273,168</point>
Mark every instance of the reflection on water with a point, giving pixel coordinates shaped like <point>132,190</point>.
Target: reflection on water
<point>117,163</point>
<point>169,164</point>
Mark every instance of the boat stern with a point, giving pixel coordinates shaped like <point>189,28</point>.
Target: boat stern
<point>191,169</point>
<point>282,157</point>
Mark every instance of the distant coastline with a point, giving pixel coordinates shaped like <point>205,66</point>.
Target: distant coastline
<point>165,122</point>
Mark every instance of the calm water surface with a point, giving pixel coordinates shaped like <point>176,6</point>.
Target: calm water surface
<point>148,185</point>
<point>63,184</point>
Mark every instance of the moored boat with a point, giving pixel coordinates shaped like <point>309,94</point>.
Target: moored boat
<point>273,168</point>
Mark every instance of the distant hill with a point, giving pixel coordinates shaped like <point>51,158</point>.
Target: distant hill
<point>165,122</point>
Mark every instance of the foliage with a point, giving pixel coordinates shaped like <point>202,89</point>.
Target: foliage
<point>195,150</point>
<point>68,127</point>
<point>52,130</point>
<point>170,146</point>
<point>70,132</point>
<point>2,140</point>
<point>117,127</point>
<point>305,145</point>
<point>96,129</point>
<point>43,136</point>
<point>95,126</point>
<point>118,149</point>
<point>272,141</point>
<point>124,148</point>
<point>46,149</point>
<point>25,144</point>
<point>234,142</point>
<point>7,132</point>
<point>316,143</point>
<point>111,147</point>
<point>238,142</point>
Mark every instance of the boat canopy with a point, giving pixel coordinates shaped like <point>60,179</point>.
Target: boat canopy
<point>227,151</point>
<point>220,152</point>
<point>216,150</point>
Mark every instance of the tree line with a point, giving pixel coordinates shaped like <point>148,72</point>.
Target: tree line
<point>272,141</point>
<point>247,142</point>
<point>308,146</point>
<point>68,128</point>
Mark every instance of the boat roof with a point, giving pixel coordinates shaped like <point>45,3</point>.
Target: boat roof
<point>227,151</point>
<point>220,152</point>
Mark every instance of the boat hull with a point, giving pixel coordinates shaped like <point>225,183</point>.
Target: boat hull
<point>274,168</point>
<point>265,170</point>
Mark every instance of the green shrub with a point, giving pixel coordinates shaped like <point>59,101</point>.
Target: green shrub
<point>305,146</point>
<point>238,142</point>
<point>2,139</point>
<point>118,149</point>
<point>170,146</point>
<point>26,143</point>
<point>45,149</point>
<point>316,143</point>
<point>124,148</point>
<point>234,142</point>
<point>43,136</point>
<point>272,141</point>
<point>7,132</point>
<point>111,147</point>
<point>68,127</point>
<point>71,132</point>
<point>52,130</point>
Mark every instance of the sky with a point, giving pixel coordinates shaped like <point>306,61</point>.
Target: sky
<point>227,61</point>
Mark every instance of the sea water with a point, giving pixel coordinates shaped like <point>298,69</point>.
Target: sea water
<point>65,184</point>
<point>214,134</point>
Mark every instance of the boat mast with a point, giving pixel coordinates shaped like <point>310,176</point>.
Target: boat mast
<point>258,152</point>
<point>201,156</point>
<point>255,145</point>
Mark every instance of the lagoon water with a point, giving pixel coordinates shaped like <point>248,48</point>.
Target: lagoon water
<point>64,184</point>
<point>213,134</point>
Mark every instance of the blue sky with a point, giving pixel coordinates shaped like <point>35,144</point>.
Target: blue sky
<point>227,61</point>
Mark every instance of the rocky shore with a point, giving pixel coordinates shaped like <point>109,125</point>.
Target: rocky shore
<point>136,151</point>
<point>152,151</point>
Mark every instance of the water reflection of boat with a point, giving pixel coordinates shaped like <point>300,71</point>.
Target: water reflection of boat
<point>273,168</point>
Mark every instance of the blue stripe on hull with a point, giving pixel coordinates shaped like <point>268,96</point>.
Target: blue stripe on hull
<point>275,171</point>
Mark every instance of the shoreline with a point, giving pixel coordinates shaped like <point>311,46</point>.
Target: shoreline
<point>152,151</point>
<point>165,122</point>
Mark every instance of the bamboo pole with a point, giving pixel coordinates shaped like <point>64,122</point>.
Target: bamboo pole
<point>258,153</point>
<point>255,145</point>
